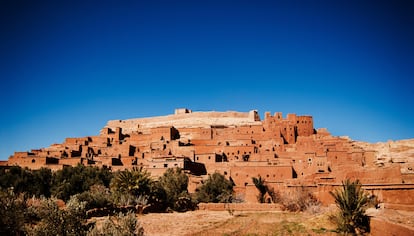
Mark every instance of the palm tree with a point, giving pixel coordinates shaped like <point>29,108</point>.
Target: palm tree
<point>136,182</point>
<point>352,202</point>
<point>260,185</point>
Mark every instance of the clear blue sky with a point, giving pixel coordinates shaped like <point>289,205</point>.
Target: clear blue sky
<point>67,67</point>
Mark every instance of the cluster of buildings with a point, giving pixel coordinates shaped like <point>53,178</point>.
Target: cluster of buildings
<point>287,153</point>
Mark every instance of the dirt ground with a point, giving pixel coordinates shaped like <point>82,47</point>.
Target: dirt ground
<point>225,223</point>
<point>239,223</point>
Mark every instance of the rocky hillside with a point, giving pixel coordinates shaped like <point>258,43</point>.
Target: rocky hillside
<point>401,151</point>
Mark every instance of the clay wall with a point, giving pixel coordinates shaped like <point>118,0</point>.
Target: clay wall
<point>288,132</point>
<point>235,153</point>
<point>250,193</point>
<point>389,175</point>
<point>242,175</point>
<point>129,162</point>
<point>304,125</point>
<point>187,151</point>
<point>238,207</point>
<point>207,149</point>
<point>239,142</point>
<point>70,161</point>
<point>380,227</point>
<point>271,145</point>
<point>310,164</point>
<point>247,130</point>
<point>193,183</point>
<point>323,195</point>
<point>76,141</point>
<point>163,133</point>
<point>159,163</point>
<point>206,158</point>
<point>98,141</point>
<point>398,195</point>
<point>338,158</point>
<point>201,142</point>
<point>31,162</point>
<point>370,158</point>
<point>306,144</point>
<point>194,119</point>
<point>20,155</point>
<point>195,133</point>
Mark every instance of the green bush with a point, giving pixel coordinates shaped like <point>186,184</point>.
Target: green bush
<point>23,180</point>
<point>98,196</point>
<point>73,180</point>
<point>216,189</point>
<point>175,183</point>
<point>158,199</point>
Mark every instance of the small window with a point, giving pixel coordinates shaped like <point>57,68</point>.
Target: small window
<point>165,165</point>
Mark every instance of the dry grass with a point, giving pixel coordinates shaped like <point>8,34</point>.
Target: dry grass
<point>241,223</point>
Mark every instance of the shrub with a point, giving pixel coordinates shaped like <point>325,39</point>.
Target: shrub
<point>23,180</point>
<point>12,213</point>
<point>216,189</point>
<point>98,196</point>
<point>158,199</point>
<point>73,180</point>
<point>175,183</point>
<point>55,221</point>
<point>121,225</point>
<point>351,201</point>
<point>298,200</point>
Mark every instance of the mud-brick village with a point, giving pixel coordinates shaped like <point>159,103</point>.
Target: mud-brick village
<point>288,152</point>
<point>188,118</point>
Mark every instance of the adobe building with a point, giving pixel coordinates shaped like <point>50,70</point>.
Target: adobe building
<point>287,152</point>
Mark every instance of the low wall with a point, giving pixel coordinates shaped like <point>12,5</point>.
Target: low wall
<point>382,227</point>
<point>239,206</point>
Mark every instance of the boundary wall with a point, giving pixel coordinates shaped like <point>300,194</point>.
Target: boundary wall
<point>239,206</point>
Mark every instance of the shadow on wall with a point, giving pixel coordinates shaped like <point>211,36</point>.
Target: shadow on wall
<point>196,168</point>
